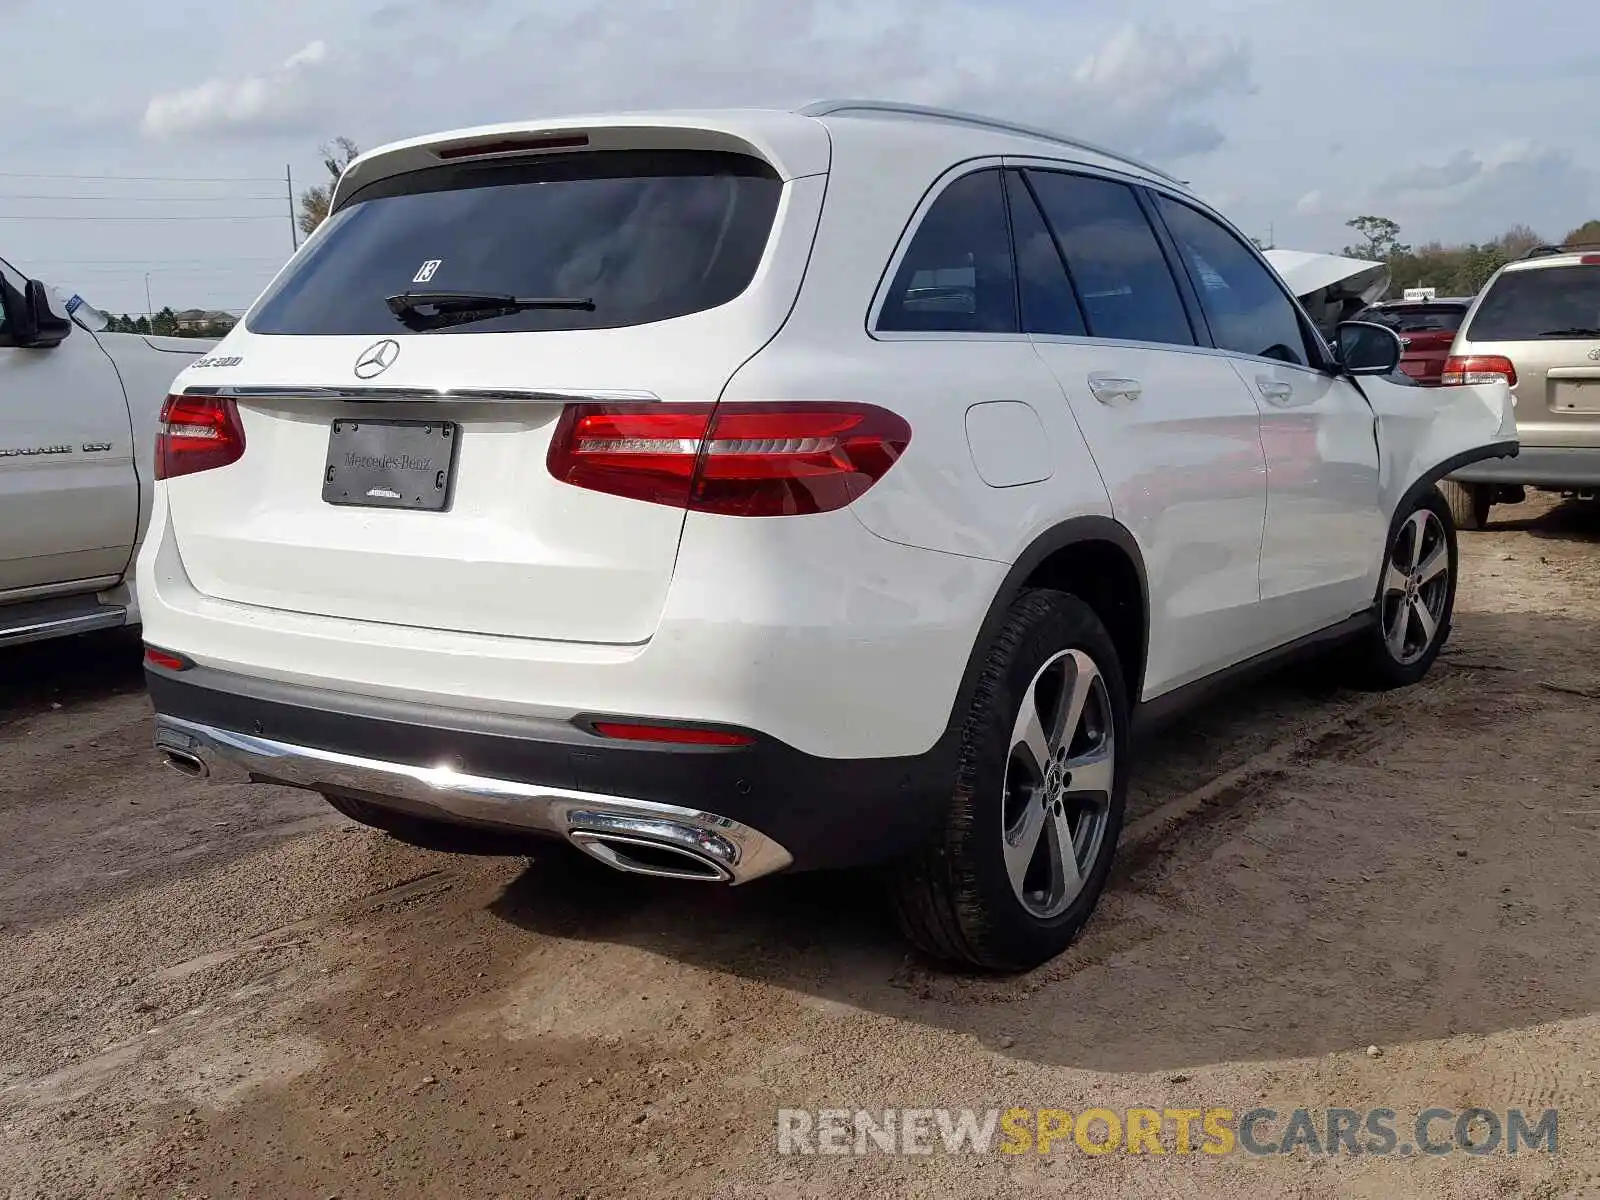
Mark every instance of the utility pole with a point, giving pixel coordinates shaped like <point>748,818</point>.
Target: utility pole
<point>294,229</point>
<point>149,309</point>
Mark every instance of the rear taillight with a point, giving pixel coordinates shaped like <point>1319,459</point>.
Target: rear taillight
<point>1478,368</point>
<point>197,433</point>
<point>742,460</point>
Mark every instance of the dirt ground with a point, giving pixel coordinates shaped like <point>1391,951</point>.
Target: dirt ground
<point>236,992</point>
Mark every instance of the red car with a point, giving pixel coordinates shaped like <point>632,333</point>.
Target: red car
<point>1426,329</point>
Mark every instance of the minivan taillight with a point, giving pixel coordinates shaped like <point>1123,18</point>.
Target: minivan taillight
<point>197,433</point>
<point>741,460</point>
<point>1478,368</point>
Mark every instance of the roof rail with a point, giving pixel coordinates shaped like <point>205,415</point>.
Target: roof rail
<point>1570,248</point>
<point>823,108</point>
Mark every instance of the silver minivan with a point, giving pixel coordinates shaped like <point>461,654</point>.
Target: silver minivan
<point>1536,324</point>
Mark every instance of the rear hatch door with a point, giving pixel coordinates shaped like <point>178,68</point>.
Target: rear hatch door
<point>395,462</point>
<point>1546,320</point>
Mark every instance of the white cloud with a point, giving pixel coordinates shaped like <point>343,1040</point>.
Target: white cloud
<point>1236,91</point>
<point>1310,203</point>
<point>275,101</point>
<point>307,56</point>
<point>1458,169</point>
<point>1143,88</point>
<point>1145,84</point>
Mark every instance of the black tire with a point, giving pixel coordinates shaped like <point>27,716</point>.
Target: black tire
<point>1469,503</point>
<point>954,898</point>
<point>434,835</point>
<point>1381,666</point>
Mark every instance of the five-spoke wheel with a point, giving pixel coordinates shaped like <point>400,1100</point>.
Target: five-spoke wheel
<point>1032,826</point>
<point>1058,782</point>
<point>1416,595</point>
<point>1416,584</point>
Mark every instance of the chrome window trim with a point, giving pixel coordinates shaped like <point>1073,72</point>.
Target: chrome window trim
<point>954,335</point>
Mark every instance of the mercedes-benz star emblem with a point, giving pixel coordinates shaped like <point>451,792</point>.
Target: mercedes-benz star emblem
<point>377,358</point>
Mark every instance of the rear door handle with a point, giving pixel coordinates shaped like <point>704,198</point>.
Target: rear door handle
<point>1274,391</point>
<point>1114,389</point>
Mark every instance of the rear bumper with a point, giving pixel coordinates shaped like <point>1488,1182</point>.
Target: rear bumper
<point>814,631</point>
<point>748,810</point>
<point>1538,466</point>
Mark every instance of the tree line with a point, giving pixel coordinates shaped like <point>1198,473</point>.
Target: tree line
<point>1454,270</point>
<point>165,324</point>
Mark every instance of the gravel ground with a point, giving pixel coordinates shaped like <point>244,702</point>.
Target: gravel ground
<point>235,992</point>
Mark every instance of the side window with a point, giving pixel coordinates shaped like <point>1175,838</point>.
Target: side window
<point>1048,305</point>
<point>1114,258</point>
<point>957,276</point>
<point>1247,310</point>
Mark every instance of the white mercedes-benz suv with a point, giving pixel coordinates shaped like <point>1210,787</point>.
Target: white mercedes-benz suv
<point>743,491</point>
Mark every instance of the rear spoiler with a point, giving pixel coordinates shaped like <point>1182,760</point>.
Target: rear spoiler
<point>792,145</point>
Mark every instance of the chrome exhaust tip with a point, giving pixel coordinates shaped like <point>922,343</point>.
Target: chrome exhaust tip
<point>184,762</point>
<point>651,846</point>
<point>642,856</point>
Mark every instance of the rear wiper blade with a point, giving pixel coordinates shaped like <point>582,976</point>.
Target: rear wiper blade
<point>435,310</point>
<point>1576,332</point>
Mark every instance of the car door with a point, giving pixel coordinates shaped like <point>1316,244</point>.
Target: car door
<point>68,491</point>
<point>1325,529</point>
<point>1174,435</point>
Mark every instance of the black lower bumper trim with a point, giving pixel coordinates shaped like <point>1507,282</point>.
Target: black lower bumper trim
<point>826,812</point>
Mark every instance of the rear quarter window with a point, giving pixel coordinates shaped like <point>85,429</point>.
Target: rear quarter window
<point>957,274</point>
<point>1546,304</point>
<point>647,235</point>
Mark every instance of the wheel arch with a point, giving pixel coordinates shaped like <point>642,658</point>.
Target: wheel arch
<point>1065,558</point>
<point>1427,482</point>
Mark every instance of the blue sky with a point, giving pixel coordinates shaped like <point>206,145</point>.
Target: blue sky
<point>1456,119</point>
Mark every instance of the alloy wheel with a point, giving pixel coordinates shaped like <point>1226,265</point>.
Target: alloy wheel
<point>1416,584</point>
<point>1058,783</point>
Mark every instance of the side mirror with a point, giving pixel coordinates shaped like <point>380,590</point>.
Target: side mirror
<point>31,318</point>
<point>50,327</point>
<point>1366,348</point>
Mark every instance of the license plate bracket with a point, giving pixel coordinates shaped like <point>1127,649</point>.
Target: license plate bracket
<point>391,464</point>
<point>1577,396</point>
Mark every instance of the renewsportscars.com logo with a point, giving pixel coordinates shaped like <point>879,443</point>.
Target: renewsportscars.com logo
<point>1216,1131</point>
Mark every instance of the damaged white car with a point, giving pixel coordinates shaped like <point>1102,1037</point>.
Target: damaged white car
<point>724,493</point>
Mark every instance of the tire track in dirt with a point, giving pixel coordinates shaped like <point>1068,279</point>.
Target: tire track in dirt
<point>597,1036</point>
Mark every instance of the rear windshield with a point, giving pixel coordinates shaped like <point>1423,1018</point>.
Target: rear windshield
<point>1549,303</point>
<point>1417,318</point>
<point>644,235</point>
